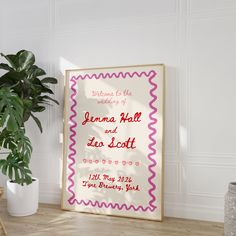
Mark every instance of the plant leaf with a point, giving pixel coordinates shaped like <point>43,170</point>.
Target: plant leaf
<point>35,71</point>
<point>26,59</point>
<point>49,80</point>
<point>37,121</point>
<point>16,168</point>
<point>17,142</point>
<point>5,67</point>
<point>47,90</point>
<point>11,110</point>
<point>11,78</point>
<point>49,98</point>
<point>12,59</point>
<point>38,108</point>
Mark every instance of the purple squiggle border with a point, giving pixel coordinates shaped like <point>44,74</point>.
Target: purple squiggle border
<point>153,121</point>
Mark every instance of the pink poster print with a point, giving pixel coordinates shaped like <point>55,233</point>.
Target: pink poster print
<point>113,149</point>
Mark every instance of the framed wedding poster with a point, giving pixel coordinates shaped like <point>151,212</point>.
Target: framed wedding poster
<point>113,141</point>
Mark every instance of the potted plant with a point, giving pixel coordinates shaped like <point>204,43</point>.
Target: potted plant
<point>22,94</point>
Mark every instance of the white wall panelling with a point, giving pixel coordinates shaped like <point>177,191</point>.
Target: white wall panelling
<point>211,94</point>
<point>194,38</point>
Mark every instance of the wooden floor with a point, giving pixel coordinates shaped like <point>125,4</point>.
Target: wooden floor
<point>50,220</point>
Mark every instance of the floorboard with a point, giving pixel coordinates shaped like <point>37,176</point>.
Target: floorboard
<point>50,220</point>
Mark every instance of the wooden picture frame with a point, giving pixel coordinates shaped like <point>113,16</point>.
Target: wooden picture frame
<point>113,141</point>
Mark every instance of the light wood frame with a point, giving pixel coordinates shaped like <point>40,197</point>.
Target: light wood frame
<point>160,69</point>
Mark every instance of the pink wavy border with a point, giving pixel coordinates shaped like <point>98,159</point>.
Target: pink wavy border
<point>151,127</point>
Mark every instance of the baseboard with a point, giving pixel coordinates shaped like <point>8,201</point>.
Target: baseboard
<point>171,209</point>
<point>49,193</point>
<point>49,197</point>
<point>194,212</point>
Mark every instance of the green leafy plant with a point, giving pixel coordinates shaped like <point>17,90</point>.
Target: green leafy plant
<point>22,94</point>
<point>11,110</point>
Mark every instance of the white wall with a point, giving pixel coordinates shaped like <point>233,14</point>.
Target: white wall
<point>196,39</point>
